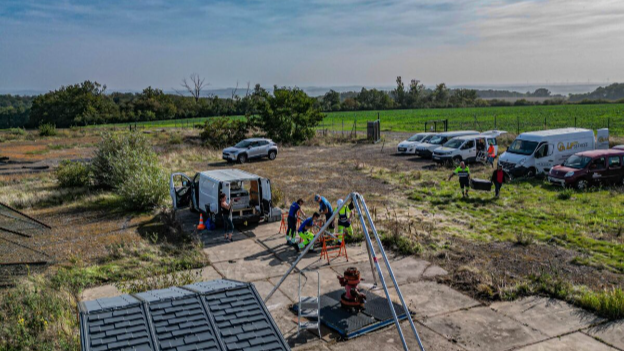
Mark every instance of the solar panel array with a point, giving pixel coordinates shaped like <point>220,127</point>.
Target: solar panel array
<point>216,315</point>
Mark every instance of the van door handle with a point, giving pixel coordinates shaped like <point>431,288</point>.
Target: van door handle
<point>550,160</point>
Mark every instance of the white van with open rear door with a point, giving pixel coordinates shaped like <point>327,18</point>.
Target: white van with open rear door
<point>249,194</point>
<point>467,148</point>
<point>537,152</point>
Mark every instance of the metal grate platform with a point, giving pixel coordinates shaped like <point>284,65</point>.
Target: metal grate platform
<point>350,324</point>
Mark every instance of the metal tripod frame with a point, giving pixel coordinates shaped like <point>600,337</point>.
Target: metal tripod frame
<point>358,201</point>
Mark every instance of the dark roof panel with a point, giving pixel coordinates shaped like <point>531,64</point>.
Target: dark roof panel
<point>216,315</point>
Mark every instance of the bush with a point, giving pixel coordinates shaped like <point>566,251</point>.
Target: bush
<point>73,174</point>
<point>565,194</point>
<point>17,131</point>
<point>47,129</point>
<point>126,163</point>
<point>221,131</point>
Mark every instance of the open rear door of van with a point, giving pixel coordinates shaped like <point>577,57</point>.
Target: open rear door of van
<point>265,189</point>
<point>181,190</point>
<point>602,139</point>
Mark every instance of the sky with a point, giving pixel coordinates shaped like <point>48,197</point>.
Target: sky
<point>129,45</point>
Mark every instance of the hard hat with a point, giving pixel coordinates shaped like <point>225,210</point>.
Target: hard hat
<point>340,202</point>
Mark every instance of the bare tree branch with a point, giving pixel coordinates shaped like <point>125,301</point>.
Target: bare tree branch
<point>195,86</point>
<point>248,85</point>
<point>234,90</point>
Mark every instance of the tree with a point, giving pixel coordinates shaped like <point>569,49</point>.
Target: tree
<point>288,116</point>
<point>399,92</point>
<point>415,95</point>
<point>331,101</point>
<point>195,87</point>
<point>81,104</point>
<point>441,95</point>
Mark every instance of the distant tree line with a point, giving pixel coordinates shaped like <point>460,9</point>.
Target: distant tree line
<point>89,103</point>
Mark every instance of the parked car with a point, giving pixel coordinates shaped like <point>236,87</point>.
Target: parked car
<point>466,148</point>
<point>408,146</point>
<point>537,152</point>
<point>588,168</point>
<point>249,149</point>
<point>249,194</point>
<point>426,149</point>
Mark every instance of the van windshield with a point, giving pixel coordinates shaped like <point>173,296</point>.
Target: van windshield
<point>243,144</point>
<point>522,147</point>
<point>416,137</point>
<point>437,140</point>
<point>454,143</point>
<point>577,162</point>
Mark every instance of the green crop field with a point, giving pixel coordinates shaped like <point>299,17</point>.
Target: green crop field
<point>512,119</point>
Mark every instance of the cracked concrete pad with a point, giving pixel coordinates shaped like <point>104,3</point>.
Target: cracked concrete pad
<point>612,333</point>
<point>550,316</point>
<point>263,231</point>
<point>388,339</point>
<point>426,298</point>
<point>329,282</point>
<point>247,249</point>
<point>482,329</point>
<point>100,292</point>
<point>406,270</point>
<point>576,342</point>
<point>215,238</point>
<point>208,273</point>
<point>261,268</point>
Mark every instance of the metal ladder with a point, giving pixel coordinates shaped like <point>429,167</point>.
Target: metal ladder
<point>309,307</point>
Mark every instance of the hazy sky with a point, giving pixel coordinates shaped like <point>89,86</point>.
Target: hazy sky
<point>130,44</point>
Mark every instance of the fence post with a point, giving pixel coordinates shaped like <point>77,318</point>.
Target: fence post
<point>518,128</point>
<point>495,122</point>
<point>574,121</point>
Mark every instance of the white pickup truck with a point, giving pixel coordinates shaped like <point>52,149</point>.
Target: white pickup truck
<point>249,194</point>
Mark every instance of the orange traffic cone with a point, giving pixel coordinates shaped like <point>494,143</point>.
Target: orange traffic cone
<point>201,225</point>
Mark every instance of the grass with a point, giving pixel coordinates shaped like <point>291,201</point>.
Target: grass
<point>511,119</point>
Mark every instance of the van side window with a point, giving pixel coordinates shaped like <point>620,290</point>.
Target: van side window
<point>598,164</point>
<point>542,151</point>
<point>614,162</point>
<point>468,145</point>
<point>492,141</point>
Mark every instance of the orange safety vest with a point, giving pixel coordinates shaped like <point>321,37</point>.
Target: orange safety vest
<point>491,151</point>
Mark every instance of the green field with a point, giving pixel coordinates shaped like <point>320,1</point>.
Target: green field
<point>512,119</point>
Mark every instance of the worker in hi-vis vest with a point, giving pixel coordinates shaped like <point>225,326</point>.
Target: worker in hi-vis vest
<point>491,155</point>
<point>464,177</point>
<point>305,232</point>
<point>344,221</point>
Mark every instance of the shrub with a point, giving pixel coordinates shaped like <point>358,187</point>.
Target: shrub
<point>18,131</point>
<point>565,194</point>
<point>608,303</point>
<point>126,163</point>
<point>47,129</point>
<point>221,131</point>
<point>73,174</point>
<point>176,139</point>
<point>524,239</point>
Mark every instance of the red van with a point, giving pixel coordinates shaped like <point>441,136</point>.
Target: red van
<point>588,168</point>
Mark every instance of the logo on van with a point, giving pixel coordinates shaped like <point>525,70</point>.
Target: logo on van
<point>603,139</point>
<point>569,146</point>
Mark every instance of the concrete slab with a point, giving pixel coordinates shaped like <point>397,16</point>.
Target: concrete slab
<point>482,329</point>
<point>612,333</point>
<point>427,298</point>
<point>575,341</point>
<point>262,231</point>
<point>100,292</point>
<point>550,316</point>
<point>406,270</point>
<point>215,238</point>
<point>208,273</point>
<point>260,268</point>
<point>242,249</point>
<point>329,282</point>
<point>388,340</point>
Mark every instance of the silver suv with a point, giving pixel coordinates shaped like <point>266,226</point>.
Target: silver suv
<point>251,148</point>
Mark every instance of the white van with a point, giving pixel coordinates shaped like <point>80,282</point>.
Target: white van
<point>466,148</point>
<point>408,146</point>
<point>537,152</point>
<point>426,149</point>
<point>249,194</point>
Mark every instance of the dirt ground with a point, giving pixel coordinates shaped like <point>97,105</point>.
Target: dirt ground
<point>326,167</point>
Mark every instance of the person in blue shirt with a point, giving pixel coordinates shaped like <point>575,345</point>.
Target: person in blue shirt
<point>305,232</point>
<point>325,208</point>
<point>293,214</point>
